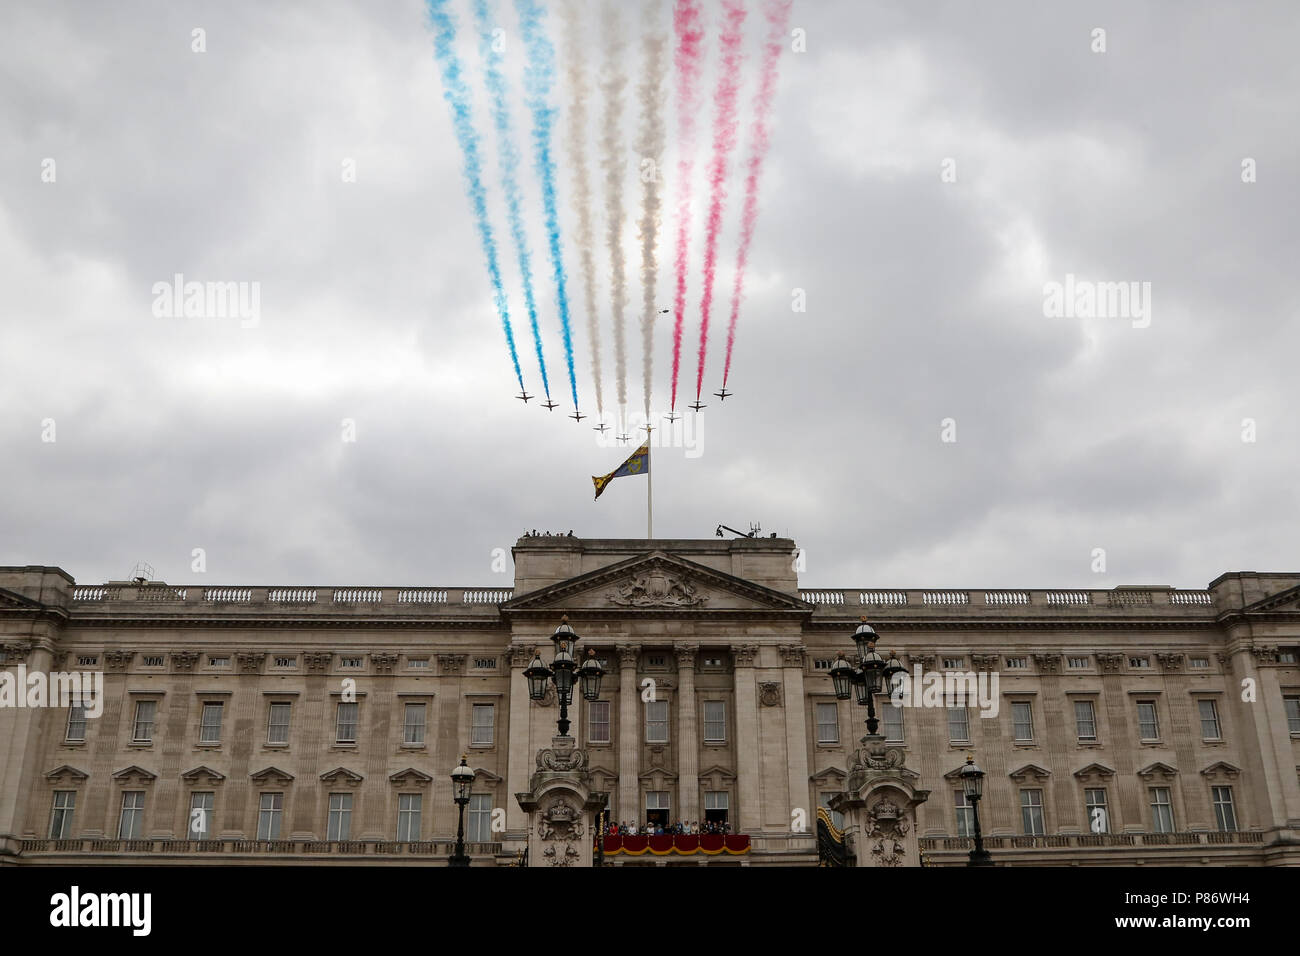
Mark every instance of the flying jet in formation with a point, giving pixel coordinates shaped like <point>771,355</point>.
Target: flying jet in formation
<point>672,417</point>
<point>697,405</point>
<point>724,394</point>
<point>577,416</point>
<point>599,428</point>
<point>524,396</point>
<point>549,405</point>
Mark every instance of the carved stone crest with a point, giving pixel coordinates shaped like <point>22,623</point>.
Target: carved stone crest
<point>887,827</point>
<point>769,693</point>
<point>560,823</point>
<point>656,588</point>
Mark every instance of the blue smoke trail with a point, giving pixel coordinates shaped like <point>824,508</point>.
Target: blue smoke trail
<point>538,79</point>
<point>496,85</point>
<point>456,93</point>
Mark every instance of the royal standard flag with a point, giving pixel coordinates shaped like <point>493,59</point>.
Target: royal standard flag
<point>638,464</point>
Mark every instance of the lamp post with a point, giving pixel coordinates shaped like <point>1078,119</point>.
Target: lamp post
<point>972,784</point>
<point>867,673</point>
<point>561,673</point>
<point>462,778</point>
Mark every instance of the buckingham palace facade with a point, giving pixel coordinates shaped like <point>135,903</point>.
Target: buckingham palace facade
<point>246,724</point>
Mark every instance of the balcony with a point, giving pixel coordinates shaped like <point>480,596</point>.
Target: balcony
<point>1045,604</point>
<point>1123,847</point>
<point>163,851</point>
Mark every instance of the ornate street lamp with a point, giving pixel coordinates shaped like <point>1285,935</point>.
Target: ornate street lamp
<point>972,784</point>
<point>868,673</point>
<point>462,778</point>
<point>561,672</point>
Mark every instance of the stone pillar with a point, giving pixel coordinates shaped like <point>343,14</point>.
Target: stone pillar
<point>518,761</point>
<point>629,740</point>
<point>20,734</point>
<point>748,785</point>
<point>562,808</point>
<point>879,807</point>
<point>688,742</point>
<point>796,729</point>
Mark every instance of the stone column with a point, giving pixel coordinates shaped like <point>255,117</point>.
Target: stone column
<point>520,758</point>
<point>629,740</point>
<point>748,785</point>
<point>20,736</point>
<point>688,743</point>
<point>880,806</point>
<point>796,728</point>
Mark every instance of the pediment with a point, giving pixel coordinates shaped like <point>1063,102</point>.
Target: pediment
<point>271,775</point>
<point>203,773</point>
<point>341,775</point>
<point>134,774</point>
<point>1030,771</point>
<point>1275,602</point>
<point>1157,769</point>
<point>1099,770</point>
<point>1221,768</point>
<point>487,775</point>
<point>410,777</point>
<point>829,775</point>
<point>658,582</point>
<point>12,601</point>
<point>603,776</point>
<point>70,773</point>
<point>658,774</point>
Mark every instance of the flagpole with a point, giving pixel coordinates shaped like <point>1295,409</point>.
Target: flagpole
<point>649,477</point>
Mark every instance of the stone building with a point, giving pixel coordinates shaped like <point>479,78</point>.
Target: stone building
<point>311,724</point>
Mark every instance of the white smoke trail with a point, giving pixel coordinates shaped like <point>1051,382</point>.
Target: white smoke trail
<point>650,147</point>
<point>575,56</point>
<point>614,162</point>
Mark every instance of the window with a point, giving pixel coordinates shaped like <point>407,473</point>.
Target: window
<point>413,726</point>
<point>828,724</point>
<point>1017,663</point>
<point>892,718</point>
<point>480,818</point>
<point>965,814</point>
<point>340,817</point>
<point>656,806</point>
<point>1292,714</point>
<point>351,663</point>
<point>1162,811</point>
<point>707,662</point>
<point>483,728</point>
<point>210,724</point>
<point>417,664</point>
<point>345,731</point>
<point>1078,662</point>
<point>954,663</point>
<point>1148,726</point>
<point>1139,662</point>
<point>1085,720</point>
<point>658,660</point>
<point>1224,813</point>
<point>286,662</point>
<point>142,730</point>
<point>87,660</point>
<point>1198,663</point>
<point>153,660</point>
<point>408,817</point>
<point>1094,802</point>
<point>65,804</point>
<point>824,799</point>
<point>1031,812</point>
<point>716,805</point>
<point>131,822</point>
<point>958,725</point>
<point>1022,719</point>
<point>656,722</point>
<point>277,723</point>
<point>1288,655</point>
<point>1209,719</point>
<point>715,721</point>
<point>485,663</point>
<point>218,661</point>
<point>268,816</point>
<point>200,822</point>
<point>76,723</point>
<point>822,664</point>
<point>598,722</point>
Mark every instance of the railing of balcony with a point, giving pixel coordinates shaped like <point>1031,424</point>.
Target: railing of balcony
<point>314,600</point>
<point>430,848</point>
<point>949,600</point>
<point>1199,838</point>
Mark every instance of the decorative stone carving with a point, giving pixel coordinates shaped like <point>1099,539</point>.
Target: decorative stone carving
<point>184,660</point>
<point>627,655</point>
<point>744,654</point>
<point>1170,662</point>
<point>792,655</point>
<point>1225,660</point>
<point>549,697</point>
<point>451,663</point>
<point>984,662</point>
<point>1047,663</point>
<point>317,661</point>
<point>885,828</point>
<point>925,660</point>
<point>383,663</point>
<point>16,653</point>
<point>686,655</point>
<point>559,827</point>
<point>561,759</point>
<point>1110,663</point>
<point>1264,654</point>
<point>519,655</point>
<point>769,693</point>
<point>118,660</point>
<point>657,588</point>
<point>873,755</point>
<point>250,662</point>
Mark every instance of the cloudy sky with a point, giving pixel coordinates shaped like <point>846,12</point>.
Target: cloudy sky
<point>924,299</point>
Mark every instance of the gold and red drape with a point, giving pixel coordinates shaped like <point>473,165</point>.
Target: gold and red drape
<point>710,844</point>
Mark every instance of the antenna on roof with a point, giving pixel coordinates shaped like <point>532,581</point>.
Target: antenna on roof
<point>142,572</point>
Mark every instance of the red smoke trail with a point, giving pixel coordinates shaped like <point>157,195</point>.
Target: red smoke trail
<point>724,140</point>
<point>689,32</point>
<point>778,18</point>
